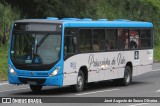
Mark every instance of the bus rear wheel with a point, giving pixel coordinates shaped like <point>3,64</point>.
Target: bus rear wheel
<point>80,82</point>
<point>36,88</point>
<point>127,79</point>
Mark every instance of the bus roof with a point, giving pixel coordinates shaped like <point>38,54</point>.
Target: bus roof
<point>87,22</point>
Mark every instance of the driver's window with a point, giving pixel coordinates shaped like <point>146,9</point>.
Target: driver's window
<point>69,44</point>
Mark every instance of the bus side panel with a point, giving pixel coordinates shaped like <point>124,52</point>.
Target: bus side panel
<point>141,60</point>
<point>121,72</point>
<point>145,61</point>
<point>107,65</point>
<point>70,79</point>
<point>71,68</point>
<point>134,71</point>
<point>100,66</point>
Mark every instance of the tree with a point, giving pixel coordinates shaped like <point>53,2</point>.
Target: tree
<point>7,16</point>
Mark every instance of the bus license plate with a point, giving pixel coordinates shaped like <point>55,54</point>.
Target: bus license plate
<point>32,82</point>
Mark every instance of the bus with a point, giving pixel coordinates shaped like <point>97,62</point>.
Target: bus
<point>73,51</point>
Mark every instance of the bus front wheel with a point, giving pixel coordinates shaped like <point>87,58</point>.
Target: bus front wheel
<point>80,82</point>
<point>35,88</point>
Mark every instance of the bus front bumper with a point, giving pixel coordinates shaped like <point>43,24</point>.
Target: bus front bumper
<point>45,81</point>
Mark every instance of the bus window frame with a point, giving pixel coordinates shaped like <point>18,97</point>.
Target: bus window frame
<point>109,28</point>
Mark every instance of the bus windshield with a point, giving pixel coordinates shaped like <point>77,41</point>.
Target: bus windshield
<point>35,48</point>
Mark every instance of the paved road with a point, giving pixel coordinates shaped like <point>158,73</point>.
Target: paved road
<point>146,85</point>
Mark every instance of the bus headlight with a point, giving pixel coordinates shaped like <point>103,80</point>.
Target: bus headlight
<point>55,72</point>
<point>11,70</point>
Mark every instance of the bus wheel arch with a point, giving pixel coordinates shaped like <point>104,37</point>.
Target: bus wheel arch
<point>127,78</point>
<point>84,69</point>
<point>130,65</point>
<point>82,79</point>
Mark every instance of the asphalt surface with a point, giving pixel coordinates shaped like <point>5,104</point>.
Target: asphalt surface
<point>146,85</point>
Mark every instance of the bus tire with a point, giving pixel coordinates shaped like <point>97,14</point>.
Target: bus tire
<point>127,79</point>
<point>80,82</point>
<point>36,88</point>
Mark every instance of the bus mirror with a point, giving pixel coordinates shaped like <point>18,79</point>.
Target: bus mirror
<point>74,40</point>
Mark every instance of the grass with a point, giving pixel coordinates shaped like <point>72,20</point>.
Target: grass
<point>157,53</point>
<point>3,62</point>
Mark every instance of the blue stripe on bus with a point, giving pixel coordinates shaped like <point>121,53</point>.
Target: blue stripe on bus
<point>109,24</point>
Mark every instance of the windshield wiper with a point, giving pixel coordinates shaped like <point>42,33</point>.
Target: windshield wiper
<point>41,42</point>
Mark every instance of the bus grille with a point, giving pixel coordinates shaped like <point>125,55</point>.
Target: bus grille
<point>36,80</point>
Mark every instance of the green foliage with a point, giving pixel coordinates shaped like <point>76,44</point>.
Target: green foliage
<point>3,62</point>
<point>56,8</point>
<point>7,16</point>
<point>157,53</point>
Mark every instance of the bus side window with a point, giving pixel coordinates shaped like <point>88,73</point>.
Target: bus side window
<point>145,38</point>
<point>122,41</point>
<point>134,38</point>
<point>85,40</point>
<point>111,39</point>
<point>69,44</point>
<point>99,40</point>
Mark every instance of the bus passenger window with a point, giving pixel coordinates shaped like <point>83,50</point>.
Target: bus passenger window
<point>122,39</point>
<point>111,39</point>
<point>85,40</point>
<point>146,38</point>
<point>134,38</point>
<point>99,40</point>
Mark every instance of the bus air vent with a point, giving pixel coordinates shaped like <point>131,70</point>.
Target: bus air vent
<point>75,19</point>
<point>86,19</point>
<point>52,18</point>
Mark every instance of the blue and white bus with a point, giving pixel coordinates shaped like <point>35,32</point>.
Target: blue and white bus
<point>72,51</point>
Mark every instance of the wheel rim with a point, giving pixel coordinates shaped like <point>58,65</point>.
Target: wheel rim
<point>80,81</point>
